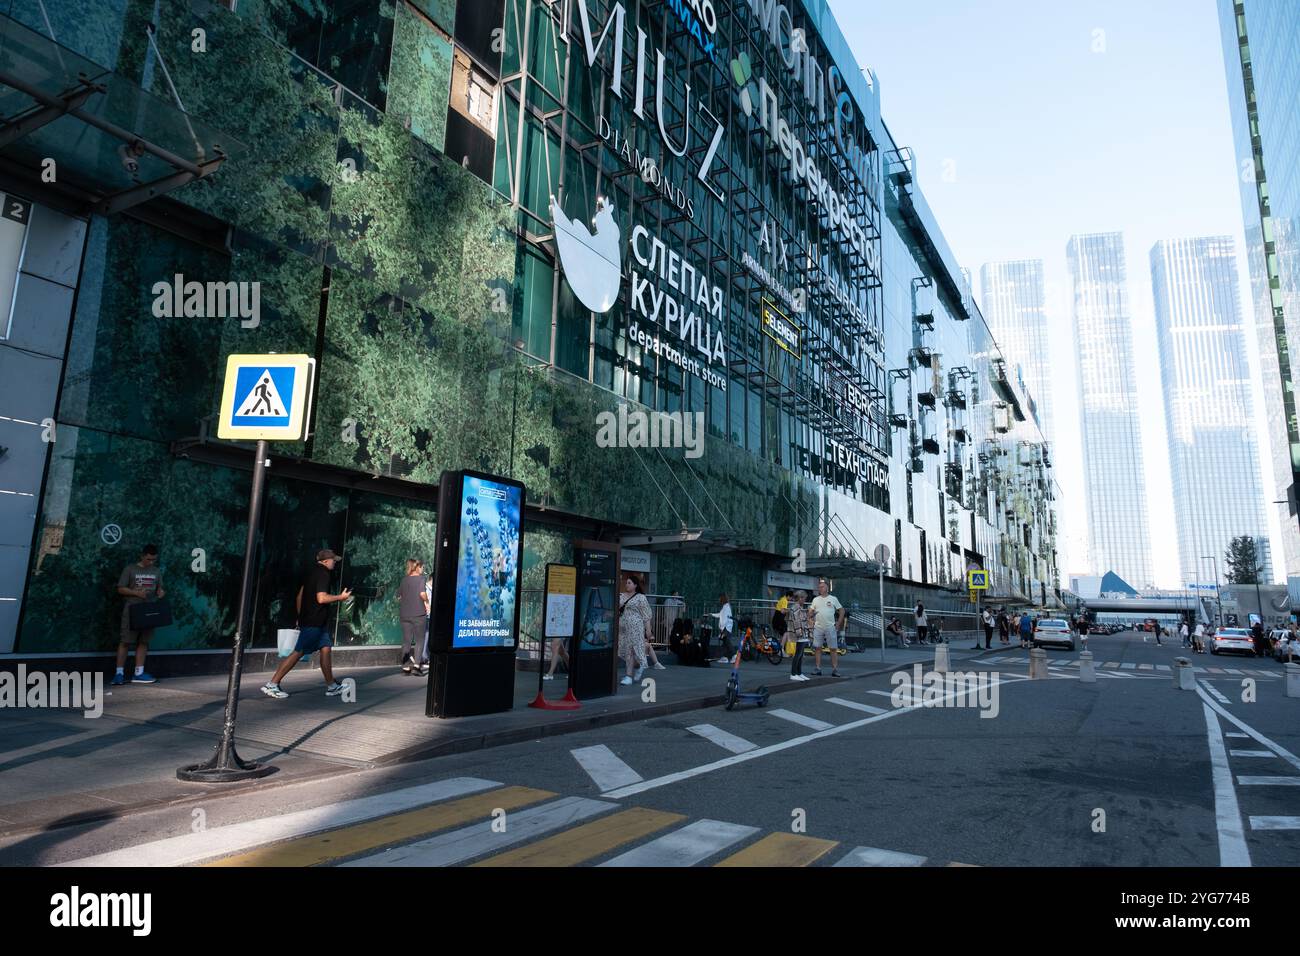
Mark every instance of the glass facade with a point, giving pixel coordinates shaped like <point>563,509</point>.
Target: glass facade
<point>1016,308</point>
<point>1118,535</point>
<point>395,204</point>
<point>1213,459</point>
<point>1261,50</point>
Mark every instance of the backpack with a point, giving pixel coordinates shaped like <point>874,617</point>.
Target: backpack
<point>778,622</point>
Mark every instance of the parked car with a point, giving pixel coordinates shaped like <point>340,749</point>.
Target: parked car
<point>1234,640</point>
<point>1283,651</point>
<point>1053,631</point>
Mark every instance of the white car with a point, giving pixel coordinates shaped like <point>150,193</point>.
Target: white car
<point>1053,631</point>
<point>1234,640</point>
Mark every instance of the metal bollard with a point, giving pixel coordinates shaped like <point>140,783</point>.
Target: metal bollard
<point>1184,675</point>
<point>1087,671</point>
<point>1038,664</point>
<point>941,658</point>
<point>1293,680</point>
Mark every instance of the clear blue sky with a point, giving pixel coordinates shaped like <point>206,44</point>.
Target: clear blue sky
<point>1034,120</point>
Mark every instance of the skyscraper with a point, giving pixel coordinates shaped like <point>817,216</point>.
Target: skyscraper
<point>1118,538</point>
<point>1213,457</point>
<point>1015,308</point>
<point>1261,47</point>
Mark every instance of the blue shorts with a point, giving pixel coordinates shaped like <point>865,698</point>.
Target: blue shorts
<point>312,639</point>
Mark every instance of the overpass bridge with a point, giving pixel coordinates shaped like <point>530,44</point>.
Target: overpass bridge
<point>1151,606</point>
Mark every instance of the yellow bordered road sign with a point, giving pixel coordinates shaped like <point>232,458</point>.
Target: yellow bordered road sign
<point>266,397</point>
<point>977,580</point>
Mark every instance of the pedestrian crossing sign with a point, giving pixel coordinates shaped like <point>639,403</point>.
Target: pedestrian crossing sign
<point>977,580</point>
<point>266,397</point>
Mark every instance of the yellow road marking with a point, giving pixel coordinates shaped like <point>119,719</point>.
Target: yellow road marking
<point>396,828</point>
<point>587,841</point>
<point>781,849</point>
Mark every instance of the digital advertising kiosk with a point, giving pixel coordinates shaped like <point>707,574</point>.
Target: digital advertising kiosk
<point>474,624</point>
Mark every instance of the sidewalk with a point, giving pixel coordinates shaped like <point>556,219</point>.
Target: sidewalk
<point>58,768</point>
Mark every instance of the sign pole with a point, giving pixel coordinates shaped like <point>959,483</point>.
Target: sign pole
<point>880,581</point>
<point>226,765</point>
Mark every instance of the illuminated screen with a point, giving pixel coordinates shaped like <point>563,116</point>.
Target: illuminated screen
<point>487,570</point>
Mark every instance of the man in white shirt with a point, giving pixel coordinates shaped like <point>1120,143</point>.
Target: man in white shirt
<point>826,612</point>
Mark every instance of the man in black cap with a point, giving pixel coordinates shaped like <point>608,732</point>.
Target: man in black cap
<point>313,623</point>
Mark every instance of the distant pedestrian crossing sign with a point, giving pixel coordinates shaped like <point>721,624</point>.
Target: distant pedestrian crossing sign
<point>977,580</point>
<point>266,397</point>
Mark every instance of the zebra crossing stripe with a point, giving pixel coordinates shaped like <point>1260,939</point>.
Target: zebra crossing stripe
<point>604,767</point>
<point>690,845</point>
<point>1268,781</point>
<point>781,849</point>
<point>1162,667</point>
<point>1251,753</point>
<point>865,708</point>
<point>1275,823</point>
<point>457,846</point>
<point>576,846</point>
<point>1145,667</point>
<point>1236,733</point>
<point>1128,666</point>
<point>399,828</point>
<point>812,723</point>
<point>1213,692</point>
<point>870,856</point>
<point>737,745</point>
<point>218,841</point>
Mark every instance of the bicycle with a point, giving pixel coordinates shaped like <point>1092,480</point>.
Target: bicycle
<point>763,646</point>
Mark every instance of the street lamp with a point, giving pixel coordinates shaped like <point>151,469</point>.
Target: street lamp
<point>1218,598</point>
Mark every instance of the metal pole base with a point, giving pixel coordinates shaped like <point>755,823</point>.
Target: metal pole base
<point>234,770</point>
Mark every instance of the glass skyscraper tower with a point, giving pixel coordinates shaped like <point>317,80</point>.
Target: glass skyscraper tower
<point>1015,308</point>
<point>1213,458</point>
<point>1261,47</point>
<point>1118,537</point>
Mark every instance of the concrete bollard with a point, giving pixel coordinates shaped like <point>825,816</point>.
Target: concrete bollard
<point>941,658</point>
<point>1184,675</point>
<point>1087,672</point>
<point>1038,664</point>
<point>1293,680</point>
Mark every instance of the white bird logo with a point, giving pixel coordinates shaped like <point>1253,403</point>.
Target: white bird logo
<point>592,258</point>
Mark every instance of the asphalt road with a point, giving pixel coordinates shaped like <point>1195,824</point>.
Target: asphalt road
<point>1126,771</point>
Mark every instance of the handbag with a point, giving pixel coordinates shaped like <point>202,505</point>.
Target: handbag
<point>789,648</point>
<point>286,638</point>
<point>146,615</point>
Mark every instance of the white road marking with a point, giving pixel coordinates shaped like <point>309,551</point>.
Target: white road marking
<point>865,708</point>
<point>1275,823</point>
<point>1215,693</point>
<point>1162,667</point>
<point>604,767</point>
<point>1268,781</point>
<point>477,839</point>
<point>812,723</point>
<point>1278,749</point>
<point>236,837</point>
<point>1236,733</point>
<point>1128,666</point>
<point>914,697</point>
<point>870,856</point>
<point>688,846</point>
<point>737,745</point>
<point>1232,840</point>
<point>725,762</point>
<point>1252,753</point>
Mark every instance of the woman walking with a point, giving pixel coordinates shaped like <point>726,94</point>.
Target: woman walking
<point>633,629</point>
<point>798,627</point>
<point>725,625</point>
<point>413,609</point>
<point>922,624</point>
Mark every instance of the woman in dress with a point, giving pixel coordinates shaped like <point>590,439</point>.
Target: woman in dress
<point>633,628</point>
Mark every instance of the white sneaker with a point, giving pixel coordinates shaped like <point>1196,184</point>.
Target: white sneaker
<point>548,677</point>
<point>804,677</point>
<point>625,681</point>
<point>273,690</point>
<point>334,689</point>
<point>660,667</point>
<point>795,677</point>
<point>724,660</point>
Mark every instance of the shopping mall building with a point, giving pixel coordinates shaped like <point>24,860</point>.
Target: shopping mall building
<point>491,222</point>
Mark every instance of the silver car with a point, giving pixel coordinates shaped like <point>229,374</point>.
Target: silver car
<point>1232,640</point>
<point>1053,631</point>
